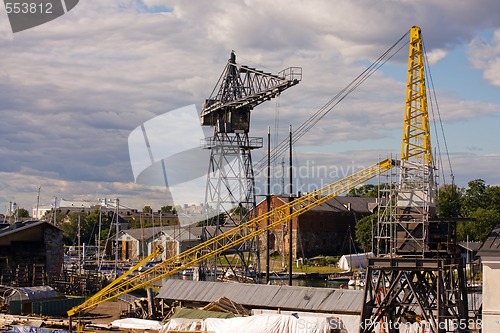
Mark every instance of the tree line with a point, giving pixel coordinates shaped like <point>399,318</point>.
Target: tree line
<point>475,207</point>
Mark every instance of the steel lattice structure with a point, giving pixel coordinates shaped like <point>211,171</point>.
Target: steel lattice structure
<point>234,237</point>
<point>230,188</point>
<point>418,278</point>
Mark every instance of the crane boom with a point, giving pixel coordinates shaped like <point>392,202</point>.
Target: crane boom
<point>90,303</point>
<point>416,143</point>
<point>239,90</point>
<point>233,237</point>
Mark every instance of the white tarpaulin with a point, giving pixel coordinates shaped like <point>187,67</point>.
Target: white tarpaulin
<point>135,323</point>
<point>268,323</point>
<point>182,324</point>
<point>358,260</point>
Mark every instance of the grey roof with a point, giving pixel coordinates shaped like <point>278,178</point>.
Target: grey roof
<point>182,233</point>
<point>353,204</point>
<point>147,233</point>
<point>186,233</point>
<point>31,293</point>
<point>20,226</point>
<point>325,300</point>
<point>197,231</point>
<point>470,246</point>
<point>491,246</point>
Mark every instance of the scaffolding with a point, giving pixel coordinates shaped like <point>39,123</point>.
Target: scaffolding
<point>417,277</point>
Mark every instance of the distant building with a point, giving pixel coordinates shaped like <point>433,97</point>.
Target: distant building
<point>130,216</point>
<point>324,230</point>
<point>139,243</point>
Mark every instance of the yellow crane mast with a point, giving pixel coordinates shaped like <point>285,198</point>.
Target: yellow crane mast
<point>418,277</point>
<point>234,237</point>
<point>416,143</point>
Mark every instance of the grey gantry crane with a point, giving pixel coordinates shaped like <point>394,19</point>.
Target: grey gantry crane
<point>230,186</point>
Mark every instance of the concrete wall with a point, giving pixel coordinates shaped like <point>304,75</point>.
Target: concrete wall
<point>491,296</point>
<point>54,251</point>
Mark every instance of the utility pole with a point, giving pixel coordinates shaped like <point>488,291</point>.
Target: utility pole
<point>99,238</point>
<point>79,248</point>
<point>55,211</point>
<point>38,201</point>
<point>117,230</point>
<point>268,199</point>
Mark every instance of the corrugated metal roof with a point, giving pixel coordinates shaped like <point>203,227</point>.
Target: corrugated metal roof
<point>21,226</point>
<point>266,296</point>
<point>29,293</point>
<point>491,246</point>
<point>176,232</point>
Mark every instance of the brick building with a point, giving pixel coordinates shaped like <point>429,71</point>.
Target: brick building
<point>323,230</point>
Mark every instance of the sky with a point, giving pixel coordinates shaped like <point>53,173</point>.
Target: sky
<point>72,90</point>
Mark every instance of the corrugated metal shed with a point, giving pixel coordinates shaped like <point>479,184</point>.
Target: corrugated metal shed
<point>28,293</point>
<point>341,301</point>
<point>45,307</point>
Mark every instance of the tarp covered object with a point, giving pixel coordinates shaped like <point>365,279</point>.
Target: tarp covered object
<point>268,323</point>
<point>359,260</point>
<point>182,324</point>
<point>136,323</point>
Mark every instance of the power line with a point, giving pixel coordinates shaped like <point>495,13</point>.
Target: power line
<point>281,148</point>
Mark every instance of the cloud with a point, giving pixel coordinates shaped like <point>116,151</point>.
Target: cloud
<point>72,90</point>
<point>485,55</point>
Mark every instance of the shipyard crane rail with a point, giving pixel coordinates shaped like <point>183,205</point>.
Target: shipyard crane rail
<point>234,237</point>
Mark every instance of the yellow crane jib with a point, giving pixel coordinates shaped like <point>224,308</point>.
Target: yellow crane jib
<point>94,300</point>
<point>234,237</point>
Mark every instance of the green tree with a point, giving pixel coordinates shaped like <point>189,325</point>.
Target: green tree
<point>493,194</point>
<point>57,220</point>
<point>214,220</point>
<point>479,228</point>
<point>166,209</point>
<point>449,201</point>
<point>367,190</point>
<point>89,227</point>
<point>364,231</point>
<point>474,197</point>
<point>147,210</point>
<point>21,213</point>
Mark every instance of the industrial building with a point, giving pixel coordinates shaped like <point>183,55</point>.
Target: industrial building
<point>341,304</point>
<point>30,253</point>
<point>324,230</point>
<point>490,258</point>
<point>138,243</point>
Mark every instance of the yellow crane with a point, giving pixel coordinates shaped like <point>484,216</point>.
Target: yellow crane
<point>236,236</point>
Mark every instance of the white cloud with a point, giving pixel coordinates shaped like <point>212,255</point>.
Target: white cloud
<point>485,55</point>
<point>73,89</point>
<point>436,55</point>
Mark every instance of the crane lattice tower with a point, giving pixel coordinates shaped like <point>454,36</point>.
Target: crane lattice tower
<point>417,277</point>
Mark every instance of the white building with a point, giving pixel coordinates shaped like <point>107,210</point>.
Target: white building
<point>490,258</point>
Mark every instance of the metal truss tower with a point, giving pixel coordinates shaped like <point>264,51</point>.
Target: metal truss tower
<point>230,188</point>
<point>417,278</point>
